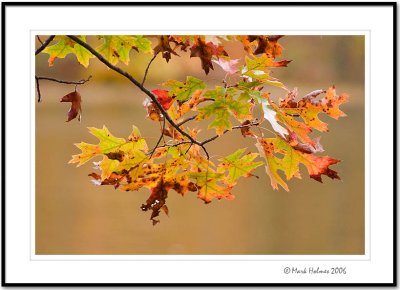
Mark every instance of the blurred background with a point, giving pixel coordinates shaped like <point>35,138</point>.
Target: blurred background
<point>75,217</point>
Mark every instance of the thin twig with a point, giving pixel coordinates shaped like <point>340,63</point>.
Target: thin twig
<point>76,83</point>
<point>46,43</point>
<point>38,38</point>
<point>159,139</point>
<point>255,123</point>
<point>38,89</point>
<point>147,68</point>
<point>186,120</point>
<point>81,82</point>
<point>139,85</point>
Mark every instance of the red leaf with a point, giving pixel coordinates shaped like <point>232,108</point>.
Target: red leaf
<point>75,99</point>
<point>163,98</point>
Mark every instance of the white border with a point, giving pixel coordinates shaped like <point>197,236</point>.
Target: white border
<point>20,268</point>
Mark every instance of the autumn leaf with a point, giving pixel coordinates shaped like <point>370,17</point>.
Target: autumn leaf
<point>205,51</point>
<point>268,45</point>
<point>190,104</point>
<point>66,46</point>
<point>238,165</point>
<point>164,47</point>
<point>209,187</point>
<point>229,66</point>
<point>257,68</point>
<point>222,108</point>
<point>75,99</point>
<point>59,50</point>
<point>272,163</point>
<point>292,158</point>
<point>117,47</point>
<point>82,54</point>
<point>153,112</point>
<point>163,98</point>
<point>308,108</point>
<point>270,115</point>
<point>183,91</point>
<point>107,144</point>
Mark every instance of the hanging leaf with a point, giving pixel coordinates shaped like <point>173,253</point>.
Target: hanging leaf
<point>75,99</point>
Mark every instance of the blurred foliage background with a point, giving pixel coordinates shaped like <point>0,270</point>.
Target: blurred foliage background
<point>75,217</point>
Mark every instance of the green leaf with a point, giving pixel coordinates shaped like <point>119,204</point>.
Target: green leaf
<point>117,47</point>
<point>183,91</point>
<point>110,146</point>
<point>82,54</point>
<point>142,44</point>
<point>65,46</point>
<point>238,166</point>
<point>59,50</point>
<point>108,142</point>
<point>222,108</point>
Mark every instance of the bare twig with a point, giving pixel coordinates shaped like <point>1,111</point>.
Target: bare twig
<point>76,83</point>
<point>46,43</point>
<point>81,82</point>
<point>159,139</point>
<point>186,120</point>
<point>38,89</point>
<point>147,68</point>
<point>38,38</point>
<point>254,123</point>
<point>140,86</point>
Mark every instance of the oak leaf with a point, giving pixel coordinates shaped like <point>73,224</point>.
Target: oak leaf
<point>308,108</point>
<point>289,164</point>
<point>222,108</point>
<point>183,91</point>
<point>164,47</point>
<point>205,51</point>
<point>75,99</point>
<point>238,165</point>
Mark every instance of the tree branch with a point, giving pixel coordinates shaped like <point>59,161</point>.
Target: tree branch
<point>46,43</point>
<point>139,85</point>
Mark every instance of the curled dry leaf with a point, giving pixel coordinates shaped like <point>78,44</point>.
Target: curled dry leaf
<point>75,110</point>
